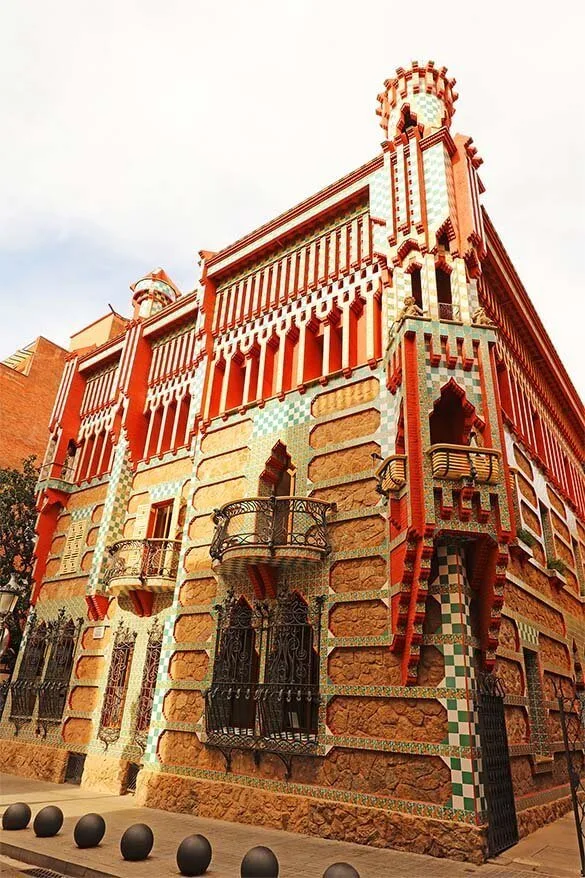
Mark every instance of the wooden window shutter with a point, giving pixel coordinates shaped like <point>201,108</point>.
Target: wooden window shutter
<point>71,557</point>
<point>140,529</point>
<point>141,521</point>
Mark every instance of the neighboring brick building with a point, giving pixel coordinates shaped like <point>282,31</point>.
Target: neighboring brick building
<point>29,380</point>
<point>305,512</point>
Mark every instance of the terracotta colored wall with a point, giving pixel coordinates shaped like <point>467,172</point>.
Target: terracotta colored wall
<point>26,402</point>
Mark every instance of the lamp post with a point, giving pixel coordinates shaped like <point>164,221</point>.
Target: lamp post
<point>9,595</point>
<point>10,592</point>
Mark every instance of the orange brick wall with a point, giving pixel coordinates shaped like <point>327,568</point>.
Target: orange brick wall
<point>26,402</point>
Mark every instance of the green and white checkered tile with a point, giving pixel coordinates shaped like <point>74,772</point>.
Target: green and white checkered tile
<point>389,408</point>
<point>435,186</point>
<point>399,187</point>
<point>166,490</point>
<point>114,509</point>
<point>427,107</point>
<point>438,376</point>
<point>276,415</point>
<point>197,392</point>
<point>403,287</point>
<point>82,512</point>
<point>528,634</point>
<point>464,784</point>
<point>380,201</point>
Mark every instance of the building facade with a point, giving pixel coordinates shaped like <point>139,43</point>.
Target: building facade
<point>311,537</point>
<point>29,380</point>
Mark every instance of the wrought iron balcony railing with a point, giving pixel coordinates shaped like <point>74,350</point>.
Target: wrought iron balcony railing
<point>264,716</point>
<point>270,524</point>
<point>447,311</point>
<point>139,562</point>
<point>62,472</point>
<point>477,465</point>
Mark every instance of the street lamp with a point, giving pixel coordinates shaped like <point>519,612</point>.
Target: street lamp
<point>9,595</point>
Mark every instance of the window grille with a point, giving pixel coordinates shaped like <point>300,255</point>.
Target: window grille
<point>265,688</point>
<point>132,776</point>
<point>148,686</point>
<point>24,688</point>
<point>75,766</point>
<point>117,685</point>
<point>62,636</point>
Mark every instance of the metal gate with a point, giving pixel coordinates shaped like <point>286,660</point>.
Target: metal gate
<point>502,830</point>
<point>572,721</point>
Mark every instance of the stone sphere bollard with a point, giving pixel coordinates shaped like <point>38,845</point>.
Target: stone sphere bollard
<point>48,821</point>
<point>137,842</point>
<point>259,862</point>
<point>89,830</point>
<point>194,855</point>
<point>341,870</point>
<point>16,816</point>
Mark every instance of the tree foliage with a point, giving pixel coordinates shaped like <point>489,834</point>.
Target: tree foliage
<point>17,534</point>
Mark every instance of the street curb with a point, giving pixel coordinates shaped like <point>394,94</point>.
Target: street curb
<point>45,861</point>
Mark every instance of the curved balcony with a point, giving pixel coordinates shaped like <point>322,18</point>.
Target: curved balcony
<point>58,475</point>
<point>391,474</point>
<point>270,529</point>
<point>465,462</point>
<point>147,565</point>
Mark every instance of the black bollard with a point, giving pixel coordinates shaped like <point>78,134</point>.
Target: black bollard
<point>194,855</point>
<point>48,821</point>
<point>341,870</point>
<point>16,816</point>
<point>259,862</point>
<point>89,831</point>
<point>137,842</point>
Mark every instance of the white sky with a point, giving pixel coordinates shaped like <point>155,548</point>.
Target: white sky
<point>136,133</point>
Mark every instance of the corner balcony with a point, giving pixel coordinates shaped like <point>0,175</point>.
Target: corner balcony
<point>270,530</point>
<point>142,565</point>
<point>465,463</point>
<point>391,474</point>
<point>57,475</point>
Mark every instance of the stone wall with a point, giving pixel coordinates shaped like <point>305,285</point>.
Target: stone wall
<point>39,761</point>
<point>311,816</point>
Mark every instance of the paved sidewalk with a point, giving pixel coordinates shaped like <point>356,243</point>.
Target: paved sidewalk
<point>549,852</point>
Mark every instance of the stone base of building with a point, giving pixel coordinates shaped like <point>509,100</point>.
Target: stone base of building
<point>104,774</point>
<point>236,803</point>
<point>531,819</point>
<point>41,762</point>
<point>312,816</point>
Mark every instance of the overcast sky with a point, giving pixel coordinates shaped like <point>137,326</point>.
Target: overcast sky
<point>136,133</point>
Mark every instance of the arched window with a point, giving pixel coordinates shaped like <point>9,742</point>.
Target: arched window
<point>232,697</point>
<point>407,120</point>
<point>270,374</point>
<point>277,479</point>
<point>416,286</point>
<point>62,635</point>
<point>148,685</point>
<point>504,388</point>
<point>237,377</point>
<point>24,688</point>
<point>292,662</point>
<point>443,241</point>
<point>216,388</point>
<point>279,638</point>
<point>399,445</point>
<point>313,359</point>
<point>444,295</point>
<point>452,416</point>
<point>117,685</point>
